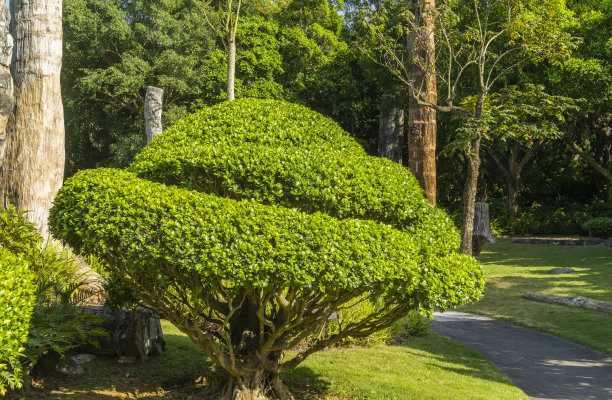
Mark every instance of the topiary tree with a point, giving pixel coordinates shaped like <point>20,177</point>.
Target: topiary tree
<point>249,223</point>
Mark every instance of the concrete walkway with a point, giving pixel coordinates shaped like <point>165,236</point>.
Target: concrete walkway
<point>543,366</point>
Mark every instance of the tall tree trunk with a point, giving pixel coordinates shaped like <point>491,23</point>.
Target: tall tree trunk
<point>6,80</point>
<point>33,166</point>
<point>514,175</point>
<point>421,118</point>
<point>390,130</point>
<point>469,194</point>
<point>472,154</point>
<point>231,66</point>
<point>154,101</point>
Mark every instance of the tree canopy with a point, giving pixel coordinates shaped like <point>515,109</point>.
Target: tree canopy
<point>267,219</point>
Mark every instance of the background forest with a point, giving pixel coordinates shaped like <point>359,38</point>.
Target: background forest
<point>558,175</point>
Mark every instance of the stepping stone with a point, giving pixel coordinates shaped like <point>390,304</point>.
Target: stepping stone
<point>556,271</point>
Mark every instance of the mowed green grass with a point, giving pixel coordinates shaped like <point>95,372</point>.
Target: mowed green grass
<point>431,367</point>
<point>512,269</point>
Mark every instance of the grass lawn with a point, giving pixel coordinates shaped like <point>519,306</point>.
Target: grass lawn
<point>431,367</point>
<point>511,269</point>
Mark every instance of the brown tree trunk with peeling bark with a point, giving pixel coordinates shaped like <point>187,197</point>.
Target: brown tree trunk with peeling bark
<point>421,118</point>
<point>33,165</point>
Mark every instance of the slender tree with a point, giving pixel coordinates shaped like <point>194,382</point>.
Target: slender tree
<point>481,42</point>
<point>33,165</point>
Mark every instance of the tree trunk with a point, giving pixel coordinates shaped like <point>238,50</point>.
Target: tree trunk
<point>469,194</point>
<point>512,207</point>
<point>153,112</point>
<point>6,80</point>
<point>256,386</point>
<point>421,118</point>
<point>231,67</point>
<point>390,130</point>
<point>33,166</point>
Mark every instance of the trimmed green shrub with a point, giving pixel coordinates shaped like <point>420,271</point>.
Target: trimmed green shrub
<point>600,227</point>
<point>17,296</point>
<point>269,220</point>
<point>231,150</point>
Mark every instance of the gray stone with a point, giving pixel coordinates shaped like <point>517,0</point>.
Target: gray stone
<point>153,112</point>
<point>73,365</point>
<point>556,271</point>
<point>131,333</point>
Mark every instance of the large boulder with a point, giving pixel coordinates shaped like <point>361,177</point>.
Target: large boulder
<point>131,333</point>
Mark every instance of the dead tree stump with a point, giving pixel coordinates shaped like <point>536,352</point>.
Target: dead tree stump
<point>482,229</point>
<point>153,112</point>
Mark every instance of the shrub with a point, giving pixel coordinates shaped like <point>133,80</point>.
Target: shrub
<point>16,301</point>
<point>16,234</point>
<point>413,324</point>
<point>278,153</point>
<point>56,322</point>
<point>269,218</point>
<point>601,227</point>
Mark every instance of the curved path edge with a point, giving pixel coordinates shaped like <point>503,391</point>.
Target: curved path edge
<point>545,367</point>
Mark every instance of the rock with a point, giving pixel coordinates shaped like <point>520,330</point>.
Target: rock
<point>127,360</point>
<point>565,242</point>
<point>556,271</point>
<point>131,333</point>
<point>573,301</point>
<point>74,365</point>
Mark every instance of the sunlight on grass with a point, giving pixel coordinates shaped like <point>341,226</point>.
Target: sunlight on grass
<point>432,367</point>
<point>512,269</point>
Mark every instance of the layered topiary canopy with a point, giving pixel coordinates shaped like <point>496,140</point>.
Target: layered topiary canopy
<point>249,223</point>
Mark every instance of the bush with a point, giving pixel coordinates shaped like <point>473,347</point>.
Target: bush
<point>413,324</point>
<point>278,153</point>
<point>16,234</point>
<point>56,323</point>
<point>269,218</point>
<point>601,227</point>
<point>16,301</point>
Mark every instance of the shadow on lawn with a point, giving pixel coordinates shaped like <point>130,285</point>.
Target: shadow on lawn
<point>183,372</point>
<point>444,355</point>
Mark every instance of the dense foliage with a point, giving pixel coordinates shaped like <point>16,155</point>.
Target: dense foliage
<point>303,51</point>
<point>17,295</point>
<point>254,238</point>
<point>40,290</point>
<point>601,227</point>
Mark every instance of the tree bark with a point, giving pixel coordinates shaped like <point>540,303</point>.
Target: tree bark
<point>422,118</point>
<point>6,80</point>
<point>231,66</point>
<point>153,112</point>
<point>390,130</point>
<point>33,166</point>
<point>469,194</point>
<point>256,386</point>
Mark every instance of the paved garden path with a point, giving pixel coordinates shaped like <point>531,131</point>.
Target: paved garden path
<point>543,366</point>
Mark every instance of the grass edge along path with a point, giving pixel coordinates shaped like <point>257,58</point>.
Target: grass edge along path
<point>430,367</point>
<point>512,269</point>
